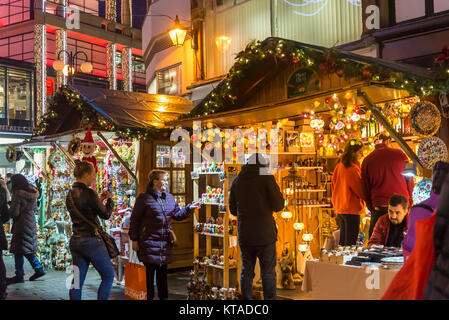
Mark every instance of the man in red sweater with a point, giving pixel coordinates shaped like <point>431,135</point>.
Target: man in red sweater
<point>382,178</point>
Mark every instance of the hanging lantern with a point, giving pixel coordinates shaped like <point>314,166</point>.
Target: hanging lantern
<point>307,237</point>
<point>286,215</point>
<point>298,226</point>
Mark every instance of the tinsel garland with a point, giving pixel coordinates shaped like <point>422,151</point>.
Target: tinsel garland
<point>68,97</point>
<point>324,64</point>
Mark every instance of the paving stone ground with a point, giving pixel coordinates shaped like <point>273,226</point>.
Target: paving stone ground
<point>52,285</point>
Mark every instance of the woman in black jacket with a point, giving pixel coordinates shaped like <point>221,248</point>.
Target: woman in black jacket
<point>86,247</point>
<point>150,230</point>
<point>4,217</point>
<point>24,231</point>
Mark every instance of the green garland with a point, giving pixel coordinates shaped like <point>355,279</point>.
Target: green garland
<point>72,99</point>
<point>281,51</point>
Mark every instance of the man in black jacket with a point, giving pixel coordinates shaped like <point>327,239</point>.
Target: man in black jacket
<point>4,217</point>
<point>253,198</point>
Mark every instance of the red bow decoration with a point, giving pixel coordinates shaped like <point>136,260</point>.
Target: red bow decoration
<point>444,56</point>
<point>328,66</point>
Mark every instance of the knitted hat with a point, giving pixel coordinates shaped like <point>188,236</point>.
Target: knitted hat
<point>88,139</point>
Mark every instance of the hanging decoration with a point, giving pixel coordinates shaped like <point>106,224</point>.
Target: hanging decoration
<point>431,150</point>
<point>11,154</point>
<point>425,119</point>
<point>422,190</point>
<point>74,146</point>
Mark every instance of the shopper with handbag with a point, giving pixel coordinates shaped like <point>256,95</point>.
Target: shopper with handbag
<point>89,243</point>
<point>151,231</point>
<point>4,217</point>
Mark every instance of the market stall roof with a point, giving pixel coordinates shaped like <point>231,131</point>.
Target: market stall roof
<point>123,110</point>
<point>238,114</point>
<point>134,109</point>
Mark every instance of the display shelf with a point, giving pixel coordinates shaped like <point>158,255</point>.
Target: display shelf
<point>212,204</point>
<point>313,190</point>
<point>314,206</point>
<point>293,153</point>
<point>302,168</point>
<point>217,266</point>
<point>211,234</point>
<point>210,173</point>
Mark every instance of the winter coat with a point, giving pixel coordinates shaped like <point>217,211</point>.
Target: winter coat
<point>253,198</point>
<point>21,210</point>
<point>381,231</point>
<point>438,284</point>
<point>151,227</point>
<point>87,202</point>
<point>4,217</point>
<point>347,190</point>
<point>416,214</point>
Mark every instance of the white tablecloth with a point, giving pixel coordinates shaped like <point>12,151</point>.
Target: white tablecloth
<point>342,282</point>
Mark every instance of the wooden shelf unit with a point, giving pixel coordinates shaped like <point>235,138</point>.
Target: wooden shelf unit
<point>231,171</point>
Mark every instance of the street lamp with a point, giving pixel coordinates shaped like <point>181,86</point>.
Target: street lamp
<point>177,33</point>
<point>70,68</point>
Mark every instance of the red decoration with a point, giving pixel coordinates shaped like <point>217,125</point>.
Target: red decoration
<point>367,73</point>
<point>339,73</point>
<point>444,56</point>
<point>328,66</point>
<point>328,101</point>
<point>50,86</point>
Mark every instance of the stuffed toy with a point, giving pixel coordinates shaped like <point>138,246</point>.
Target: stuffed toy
<point>88,148</point>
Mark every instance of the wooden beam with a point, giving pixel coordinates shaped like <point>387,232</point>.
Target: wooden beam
<point>396,136</point>
<point>35,164</point>
<point>111,148</point>
<point>67,156</point>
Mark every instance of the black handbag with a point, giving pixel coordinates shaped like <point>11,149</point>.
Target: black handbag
<point>108,240</point>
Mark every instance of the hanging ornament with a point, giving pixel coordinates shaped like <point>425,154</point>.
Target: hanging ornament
<point>74,146</point>
<point>367,73</point>
<point>317,124</point>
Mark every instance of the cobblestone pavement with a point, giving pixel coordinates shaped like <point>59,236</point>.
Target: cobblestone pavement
<point>52,286</point>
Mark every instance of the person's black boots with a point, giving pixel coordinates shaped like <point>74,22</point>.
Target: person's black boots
<point>3,292</point>
<point>15,279</point>
<point>37,274</point>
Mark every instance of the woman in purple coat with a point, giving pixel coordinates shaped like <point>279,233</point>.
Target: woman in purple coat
<point>151,232</point>
<point>426,208</point>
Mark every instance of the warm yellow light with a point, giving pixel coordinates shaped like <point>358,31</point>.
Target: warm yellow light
<point>307,237</point>
<point>303,247</point>
<point>286,215</point>
<point>161,108</point>
<point>348,95</point>
<point>58,65</point>
<point>177,33</point>
<point>316,104</point>
<point>223,42</point>
<point>67,70</point>
<point>298,226</point>
<point>86,67</point>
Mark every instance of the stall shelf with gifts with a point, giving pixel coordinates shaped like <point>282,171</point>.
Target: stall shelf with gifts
<point>117,132</point>
<point>308,102</point>
<point>216,255</point>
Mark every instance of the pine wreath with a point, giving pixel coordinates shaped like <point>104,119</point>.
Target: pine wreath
<point>11,154</point>
<point>74,146</point>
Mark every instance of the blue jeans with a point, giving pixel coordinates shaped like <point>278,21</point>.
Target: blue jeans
<point>85,251</point>
<point>32,259</point>
<point>267,261</point>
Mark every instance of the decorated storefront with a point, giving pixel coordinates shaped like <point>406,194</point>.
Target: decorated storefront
<point>316,100</point>
<point>119,133</point>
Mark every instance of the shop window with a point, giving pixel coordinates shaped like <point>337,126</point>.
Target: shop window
<point>179,179</point>
<point>162,156</point>
<point>87,6</point>
<point>14,11</point>
<point>168,81</point>
<point>19,95</point>
<point>440,5</point>
<point>2,95</point>
<point>409,9</point>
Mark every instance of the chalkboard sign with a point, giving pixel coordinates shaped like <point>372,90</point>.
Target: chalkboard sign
<point>303,81</point>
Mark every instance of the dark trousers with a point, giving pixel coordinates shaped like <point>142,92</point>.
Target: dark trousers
<point>161,281</point>
<point>349,229</point>
<point>85,251</point>
<point>2,277</point>
<point>19,260</point>
<point>375,215</point>
<point>267,261</point>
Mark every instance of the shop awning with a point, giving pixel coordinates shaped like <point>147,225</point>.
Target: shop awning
<point>134,109</point>
<point>292,107</point>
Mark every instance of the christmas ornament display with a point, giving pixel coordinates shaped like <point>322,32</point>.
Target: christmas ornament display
<point>425,119</point>
<point>422,190</point>
<point>431,150</point>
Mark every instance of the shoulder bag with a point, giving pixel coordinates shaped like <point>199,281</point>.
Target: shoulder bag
<point>171,235</point>
<point>109,241</point>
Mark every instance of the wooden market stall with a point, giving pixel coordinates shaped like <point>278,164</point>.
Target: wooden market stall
<point>318,98</point>
<point>128,130</point>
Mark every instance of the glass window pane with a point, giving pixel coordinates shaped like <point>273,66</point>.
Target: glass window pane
<point>181,201</point>
<point>19,95</point>
<point>168,81</point>
<point>179,180</point>
<point>162,156</point>
<point>178,158</point>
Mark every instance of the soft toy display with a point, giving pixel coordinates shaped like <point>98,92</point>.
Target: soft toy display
<point>88,148</point>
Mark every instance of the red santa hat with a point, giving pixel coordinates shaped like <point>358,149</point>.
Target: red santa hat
<point>88,139</point>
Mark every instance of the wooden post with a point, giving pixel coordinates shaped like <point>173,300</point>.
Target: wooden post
<point>111,148</point>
